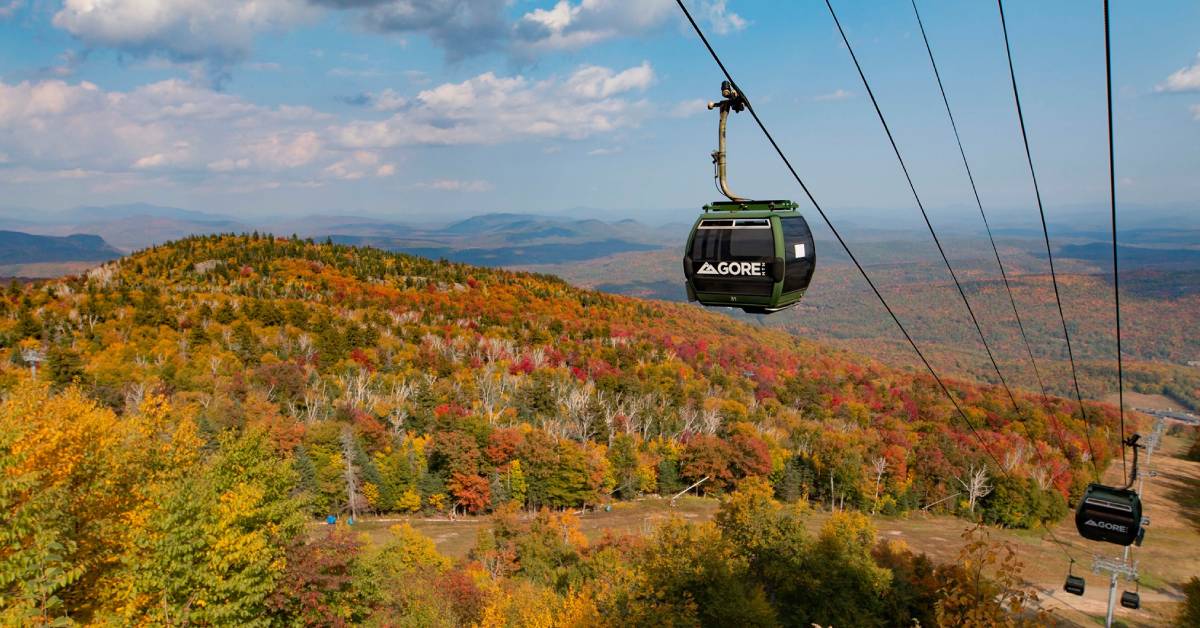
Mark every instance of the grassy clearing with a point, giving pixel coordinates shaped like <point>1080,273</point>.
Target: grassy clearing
<point>1169,557</point>
<point>455,538</point>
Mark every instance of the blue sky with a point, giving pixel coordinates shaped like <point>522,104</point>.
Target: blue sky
<point>428,109</point>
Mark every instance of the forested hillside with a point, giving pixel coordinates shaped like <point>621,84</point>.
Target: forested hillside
<point>195,404</point>
<point>1160,312</point>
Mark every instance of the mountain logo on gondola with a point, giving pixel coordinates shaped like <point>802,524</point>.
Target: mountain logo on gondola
<point>1106,525</point>
<point>734,269</point>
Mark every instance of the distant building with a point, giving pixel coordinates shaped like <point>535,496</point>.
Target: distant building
<point>1193,363</point>
<point>1172,415</point>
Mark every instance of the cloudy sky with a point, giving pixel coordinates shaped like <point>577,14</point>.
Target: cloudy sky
<point>413,108</point>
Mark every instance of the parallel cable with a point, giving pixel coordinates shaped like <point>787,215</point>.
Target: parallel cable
<point>1046,236</point>
<point>971,177</point>
<point>1112,188</point>
<point>983,214</point>
<point>779,151</point>
<point>1062,546</point>
<point>783,157</point>
<point>932,232</point>
<point>937,241</point>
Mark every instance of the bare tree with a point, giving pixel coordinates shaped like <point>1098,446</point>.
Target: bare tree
<point>976,485</point>
<point>710,421</point>
<point>305,344</point>
<point>879,465</point>
<point>609,405</point>
<point>354,498</point>
<point>135,394</point>
<point>1014,457</point>
<point>691,421</point>
<point>316,403</point>
<point>399,404</point>
<point>574,403</point>
<point>1042,477</point>
<point>490,387</point>
<point>357,387</point>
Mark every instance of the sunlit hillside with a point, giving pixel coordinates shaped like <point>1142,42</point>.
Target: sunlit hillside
<point>197,404</point>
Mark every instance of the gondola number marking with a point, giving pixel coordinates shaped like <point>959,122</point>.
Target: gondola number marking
<point>798,249</point>
<point>737,269</point>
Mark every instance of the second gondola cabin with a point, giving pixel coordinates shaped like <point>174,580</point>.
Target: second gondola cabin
<point>755,255</point>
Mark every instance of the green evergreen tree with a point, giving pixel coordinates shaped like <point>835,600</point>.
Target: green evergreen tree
<point>63,365</point>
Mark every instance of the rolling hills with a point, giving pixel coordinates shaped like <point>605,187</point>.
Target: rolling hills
<point>231,388</point>
<point>505,239</point>
<point>1160,309</point>
<point>496,239</point>
<point>23,248</point>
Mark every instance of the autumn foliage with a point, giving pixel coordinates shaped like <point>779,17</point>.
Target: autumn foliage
<point>197,403</point>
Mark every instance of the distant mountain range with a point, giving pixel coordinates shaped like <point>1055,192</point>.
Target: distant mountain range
<point>510,239</point>
<point>497,239</point>
<point>126,227</point>
<point>24,248</point>
<point>502,239</point>
<point>1132,257</point>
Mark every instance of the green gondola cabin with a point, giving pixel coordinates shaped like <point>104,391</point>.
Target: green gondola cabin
<point>755,255</point>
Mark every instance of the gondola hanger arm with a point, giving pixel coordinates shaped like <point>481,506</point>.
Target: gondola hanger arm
<point>733,99</point>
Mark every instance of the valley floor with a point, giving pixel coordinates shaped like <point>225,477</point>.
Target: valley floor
<point>1168,558</point>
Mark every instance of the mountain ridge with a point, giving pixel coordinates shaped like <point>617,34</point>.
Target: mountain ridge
<point>18,247</point>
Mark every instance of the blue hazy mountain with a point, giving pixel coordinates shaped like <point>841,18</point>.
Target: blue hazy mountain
<point>509,239</point>
<point>25,248</point>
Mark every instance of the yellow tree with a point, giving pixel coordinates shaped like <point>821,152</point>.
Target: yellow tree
<point>985,587</point>
<point>74,479</point>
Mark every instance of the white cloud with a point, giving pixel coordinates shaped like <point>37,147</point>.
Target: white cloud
<point>601,152</point>
<point>593,81</point>
<point>165,126</point>
<point>282,150</point>
<point>175,131</point>
<point>488,109</point>
<point>387,100</point>
<point>723,21</point>
<point>220,31</point>
<point>7,9</point>
<point>150,161</point>
<point>835,95</point>
<point>358,165</point>
<point>1183,80</point>
<point>455,185</point>
<point>567,26</point>
<point>570,27</point>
